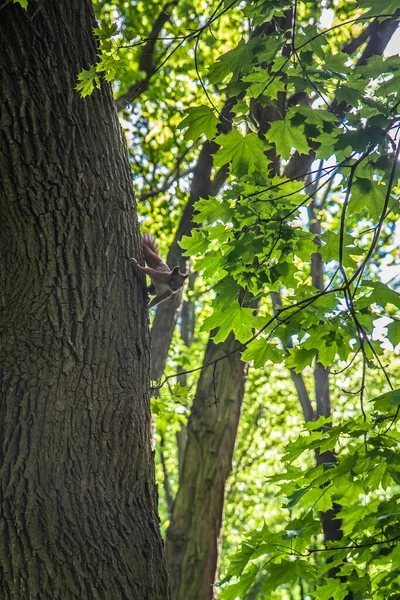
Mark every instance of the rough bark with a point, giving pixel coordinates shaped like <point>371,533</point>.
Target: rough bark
<point>188,322</point>
<point>77,492</point>
<point>192,545</point>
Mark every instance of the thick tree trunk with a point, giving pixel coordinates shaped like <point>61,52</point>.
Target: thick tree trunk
<point>77,493</point>
<point>192,545</point>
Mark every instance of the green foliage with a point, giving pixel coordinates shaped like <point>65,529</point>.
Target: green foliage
<point>363,481</point>
<point>286,137</point>
<point>88,81</point>
<point>111,62</point>
<point>198,121</point>
<point>245,153</point>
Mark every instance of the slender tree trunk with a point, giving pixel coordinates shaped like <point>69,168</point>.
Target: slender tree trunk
<point>193,537</point>
<point>77,492</point>
<point>188,323</point>
<point>201,187</point>
<point>168,312</point>
<point>192,545</point>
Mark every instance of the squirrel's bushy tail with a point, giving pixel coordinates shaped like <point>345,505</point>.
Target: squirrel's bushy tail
<point>150,241</point>
<point>151,253</point>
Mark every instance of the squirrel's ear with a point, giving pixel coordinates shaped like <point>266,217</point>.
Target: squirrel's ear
<point>175,270</point>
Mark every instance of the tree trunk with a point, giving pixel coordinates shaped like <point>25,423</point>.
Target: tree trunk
<point>77,492</point>
<point>168,312</point>
<point>201,187</point>
<point>192,545</point>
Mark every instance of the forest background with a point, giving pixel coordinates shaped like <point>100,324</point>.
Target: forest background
<point>263,139</point>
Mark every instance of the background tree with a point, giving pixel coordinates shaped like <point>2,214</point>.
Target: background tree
<point>78,500</point>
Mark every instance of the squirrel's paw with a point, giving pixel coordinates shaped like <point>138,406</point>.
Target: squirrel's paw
<point>135,262</point>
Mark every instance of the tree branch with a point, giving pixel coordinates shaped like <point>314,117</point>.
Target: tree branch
<point>297,378</point>
<point>378,34</point>
<point>219,179</point>
<point>146,61</point>
<point>169,180</point>
<point>167,487</point>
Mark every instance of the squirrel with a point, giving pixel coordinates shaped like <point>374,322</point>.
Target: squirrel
<point>164,282</point>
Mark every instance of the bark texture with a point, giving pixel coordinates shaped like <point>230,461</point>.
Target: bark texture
<point>192,545</point>
<point>77,493</point>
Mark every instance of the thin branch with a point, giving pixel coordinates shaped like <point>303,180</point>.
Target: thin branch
<point>139,87</point>
<point>350,547</point>
<point>146,61</point>
<point>169,180</point>
<point>299,306</point>
<point>297,378</point>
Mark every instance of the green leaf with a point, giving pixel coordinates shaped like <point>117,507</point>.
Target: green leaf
<point>327,353</point>
<point>246,153</point>
<point>199,120</point>
<point>300,358</point>
<point>327,143</point>
<point>382,294</point>
<point>287,137</point>
<point>330,247</point>
<point>351,515</point>
<point>211,266</point>
<point>263,82</point>
<point>88,80</point>
<point>385,402</point>
<point>239,560</point>
<point>367,194</point>
<point>287,571</point>
<point>393,332</point>
<point>195,244</point>
<point>23,3</point>
<point>294,498</point>
<point>233,318</point>
<point>232,62</point>
<point>239,589</point>
<point>211,210</point>
<point>260,351</point>
<point>348,489</point>
<point>320,422</point>
<point>379,7</point>
<point>106,30</point>
<point>313,116</point>
<point>332,589</point>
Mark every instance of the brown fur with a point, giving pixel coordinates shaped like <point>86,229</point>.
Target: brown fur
<point>164,281</point>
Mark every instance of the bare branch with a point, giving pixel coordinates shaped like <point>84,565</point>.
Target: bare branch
<point>146,61</point>
<point>169,180</point>
<point>378,34</point>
